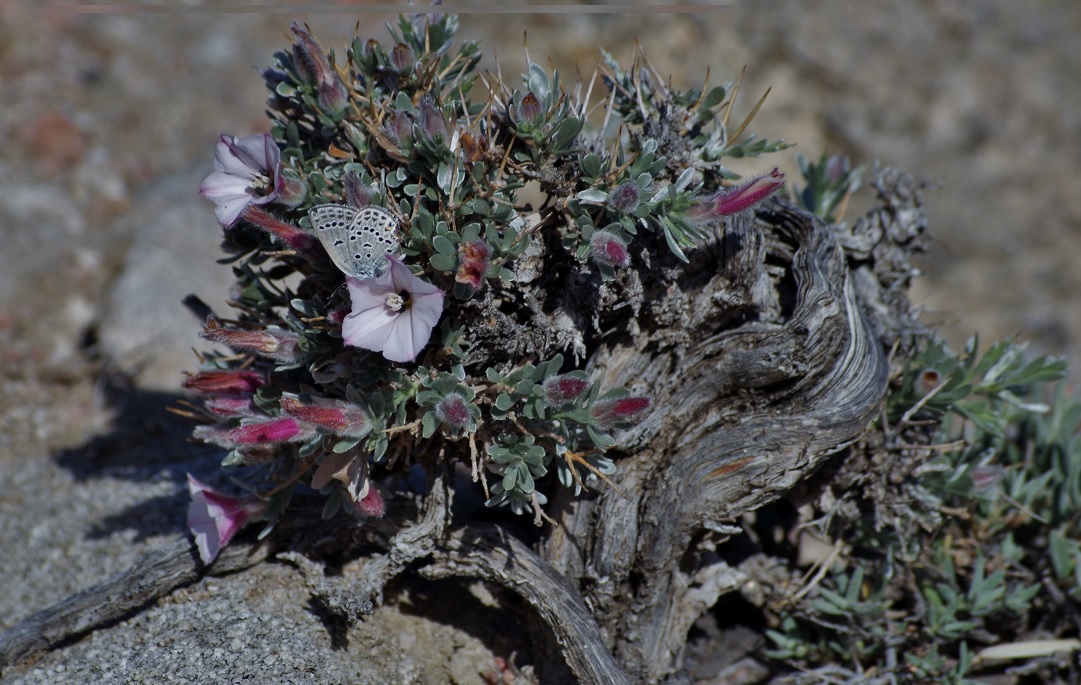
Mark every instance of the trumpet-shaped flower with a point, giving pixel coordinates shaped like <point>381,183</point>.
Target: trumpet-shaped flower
<point>215,518</point>
<point>246,172</point>
<point>393,313</point>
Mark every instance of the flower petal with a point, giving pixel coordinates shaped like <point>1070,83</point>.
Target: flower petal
<point>372,325</point>
<point>215,518</point>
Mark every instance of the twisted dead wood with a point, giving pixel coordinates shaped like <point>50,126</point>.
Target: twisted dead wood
<point>761,363</point>
<point>742,413</point>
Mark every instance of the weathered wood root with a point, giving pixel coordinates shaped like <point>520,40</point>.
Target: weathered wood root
<point>154,575</point>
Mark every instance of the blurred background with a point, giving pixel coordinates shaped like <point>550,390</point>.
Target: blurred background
<point>109,116</point>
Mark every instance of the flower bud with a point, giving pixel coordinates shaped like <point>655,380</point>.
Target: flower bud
<point>403,59</point>
<point>398,127</point>
<point>453,411</point>
<point>356,193</point>
<point>564,389</point>
<point>214,434</point>
<point>371,505</point>
<point>431,119</point>
<point>291,190</point>
<point>285,232</point>
<point>230,406</point>
<point>606,248</point>
<point>528,110</point>
<point>214,382</point>
<point>624,197</point>
<point>275,430</point>
<point>618,410</point>
<point>314,67</point>
<point>338,417</point>
<point>734,200</point>
<point>332,96</point>
<point>278,345</point>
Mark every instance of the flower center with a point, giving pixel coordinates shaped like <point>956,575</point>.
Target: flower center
<point>398,301</point>
<point>261,185</point>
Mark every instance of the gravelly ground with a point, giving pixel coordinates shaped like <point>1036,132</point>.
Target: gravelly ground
<point>108,121</point>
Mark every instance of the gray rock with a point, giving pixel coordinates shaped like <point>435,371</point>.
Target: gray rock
<point>143,326</point>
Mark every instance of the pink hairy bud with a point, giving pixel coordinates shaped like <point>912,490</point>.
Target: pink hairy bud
<point>371,505</point>
<point>215,382</point>
<point>338,417</point>
<point>287,233</point>
<point>619,409</point>
<point>230,406</point>
<point>277,345</point>
<point>275,430</point>
<point>560,390</point>
<point>453,411</point>
<point>734,200</point>
<point>608,249</point>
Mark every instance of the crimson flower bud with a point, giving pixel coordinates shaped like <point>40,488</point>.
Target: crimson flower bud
<point>281,346</point>
<point>285,232</point>
<point>563,389</point>
<point>454,411</point>
<point>609,249</point>
<point>338,417</point>
<point>618,410</point>
<point>274,430</point>
<point>371,505</point>
<point>734,200</point>
<point>215,382</point>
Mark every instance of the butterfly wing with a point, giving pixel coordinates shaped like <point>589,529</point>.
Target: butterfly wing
<point>356,239</point>
<point>373,235</point>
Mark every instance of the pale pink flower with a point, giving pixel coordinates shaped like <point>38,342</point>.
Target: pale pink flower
<point>246,171</point>
<point>393,313</point>
<point>214,518</point>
